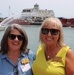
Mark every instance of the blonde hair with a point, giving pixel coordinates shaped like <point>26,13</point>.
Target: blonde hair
<point>53,21</point>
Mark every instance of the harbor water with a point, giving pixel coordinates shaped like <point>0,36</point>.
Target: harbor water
<point>33,36</point>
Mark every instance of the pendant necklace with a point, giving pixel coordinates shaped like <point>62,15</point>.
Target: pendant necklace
<point>48,56</point>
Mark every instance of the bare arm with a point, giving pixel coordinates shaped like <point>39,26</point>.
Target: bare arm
<point>70,62</point>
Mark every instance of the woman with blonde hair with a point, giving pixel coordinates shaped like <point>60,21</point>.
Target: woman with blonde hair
<point>53,56</point>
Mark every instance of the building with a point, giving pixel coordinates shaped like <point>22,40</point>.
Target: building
<point>36,13</point>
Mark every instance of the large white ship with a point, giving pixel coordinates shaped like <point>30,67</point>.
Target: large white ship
<point>30,16</point>
<point>36,15</point>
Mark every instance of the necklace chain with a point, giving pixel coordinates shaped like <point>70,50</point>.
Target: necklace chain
<point>48,56</point>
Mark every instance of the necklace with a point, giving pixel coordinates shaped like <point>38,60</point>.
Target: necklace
<point>48,56</point>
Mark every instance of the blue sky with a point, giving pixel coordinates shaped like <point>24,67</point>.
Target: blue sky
<point>61,8</point>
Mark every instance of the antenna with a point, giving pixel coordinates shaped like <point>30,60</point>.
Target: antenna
<point>9,10</point>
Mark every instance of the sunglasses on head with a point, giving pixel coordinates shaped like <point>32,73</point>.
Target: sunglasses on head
<point>45,31</point>
<point>13,36</point>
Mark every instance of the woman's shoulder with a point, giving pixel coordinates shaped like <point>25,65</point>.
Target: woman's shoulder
<point>1,54</point>
<point>30,53</point>
<point>65,48</point>
<point>70,53</point>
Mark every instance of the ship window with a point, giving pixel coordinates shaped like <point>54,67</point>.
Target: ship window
<point>26,10</point>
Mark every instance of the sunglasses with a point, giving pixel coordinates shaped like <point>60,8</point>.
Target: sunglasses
<point>45,31</point>
<point>13,36</point>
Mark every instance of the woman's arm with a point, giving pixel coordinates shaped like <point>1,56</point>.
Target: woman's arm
<point>70,62</point>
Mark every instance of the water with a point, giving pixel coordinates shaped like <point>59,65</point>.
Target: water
<point>33,36</point>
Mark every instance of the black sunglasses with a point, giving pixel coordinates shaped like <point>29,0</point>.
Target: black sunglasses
<point>13,36</point>
<point>45,31</point>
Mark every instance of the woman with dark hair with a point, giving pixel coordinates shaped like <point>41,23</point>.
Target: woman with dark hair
<point>15,58</point>
<point>53,56</point>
